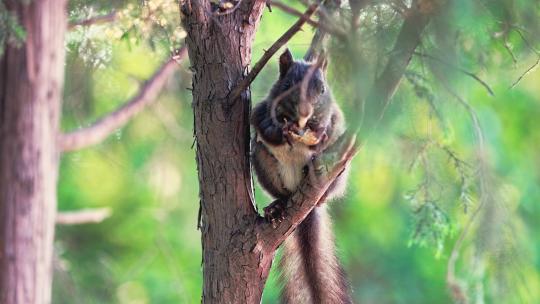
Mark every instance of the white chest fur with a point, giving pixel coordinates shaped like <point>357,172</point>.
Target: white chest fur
<point>291,162</point>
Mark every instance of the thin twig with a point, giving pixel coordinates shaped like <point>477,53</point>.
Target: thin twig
<point>278,99</point>
<point>105,126</point>
<point>297,26</point>
<point>307,78</point>
<point>303,88</point>
<point>111,17</point>
<point>470,74</point>
<point>531,47</point>
<point>532,67</point>
<point>84,216</point>
<point>334,30</point>
<point>509,50</point>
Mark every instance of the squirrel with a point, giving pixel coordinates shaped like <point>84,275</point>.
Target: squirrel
<point>290,131</point>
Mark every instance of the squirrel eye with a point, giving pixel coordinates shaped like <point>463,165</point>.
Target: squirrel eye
<point>323,88</point>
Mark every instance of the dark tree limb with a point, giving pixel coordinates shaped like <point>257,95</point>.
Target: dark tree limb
<point>332,28</point>
<point>102,128</point>
<point>386,84</point>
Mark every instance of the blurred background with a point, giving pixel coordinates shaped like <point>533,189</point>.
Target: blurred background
<point>448,152</point>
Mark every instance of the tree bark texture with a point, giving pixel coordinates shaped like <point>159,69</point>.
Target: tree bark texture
<point>219,48</point>
<point>31,83</point>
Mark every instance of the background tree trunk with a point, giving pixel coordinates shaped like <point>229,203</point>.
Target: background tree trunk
<point>31,82</point>
<point>219,48</point>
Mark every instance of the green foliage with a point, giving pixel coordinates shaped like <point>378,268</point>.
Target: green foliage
<point>155,23</point>
<point>448,158</point>
<point>11,32</point>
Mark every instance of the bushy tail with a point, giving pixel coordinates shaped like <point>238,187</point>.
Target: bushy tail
<point>309,266</point>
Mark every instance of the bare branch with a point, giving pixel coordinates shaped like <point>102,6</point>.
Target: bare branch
<point>332,29</point>
<point>105,126</point>
<point>278,99</point>
<point>307,78</point>
<point>307,196</point>
<point>470,74</point>
<point>84,216</point>
<point>111,17</point>
<point>272,50</point>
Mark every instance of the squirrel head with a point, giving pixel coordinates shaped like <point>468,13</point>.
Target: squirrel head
<point>290,105</point>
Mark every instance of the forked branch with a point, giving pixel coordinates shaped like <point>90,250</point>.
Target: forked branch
<point>103,127</point>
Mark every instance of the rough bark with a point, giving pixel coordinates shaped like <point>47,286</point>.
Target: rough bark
<point>31,81</point>
<point>219,49</point>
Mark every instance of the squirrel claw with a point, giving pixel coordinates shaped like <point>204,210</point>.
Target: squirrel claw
<point>275,213</point>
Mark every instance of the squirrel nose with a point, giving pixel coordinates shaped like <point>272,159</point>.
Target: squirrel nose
<point>305,110</point>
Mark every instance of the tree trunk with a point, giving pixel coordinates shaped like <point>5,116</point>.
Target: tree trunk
<point>31,81</point>
<point>234,268</point>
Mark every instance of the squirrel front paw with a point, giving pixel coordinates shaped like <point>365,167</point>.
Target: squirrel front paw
<point>275,212</point>
<point>287,131</point>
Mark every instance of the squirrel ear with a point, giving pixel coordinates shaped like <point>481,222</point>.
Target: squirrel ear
<point>285,62</point>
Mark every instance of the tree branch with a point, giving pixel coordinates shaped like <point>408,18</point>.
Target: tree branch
<point>272,50</point>
<point>388,81</point>
<point>333,29</point>
<point>310,192</point>
<point>527,71</point>
<point>105,126</point>
<point>84,216</point>
<point>111,17</point>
